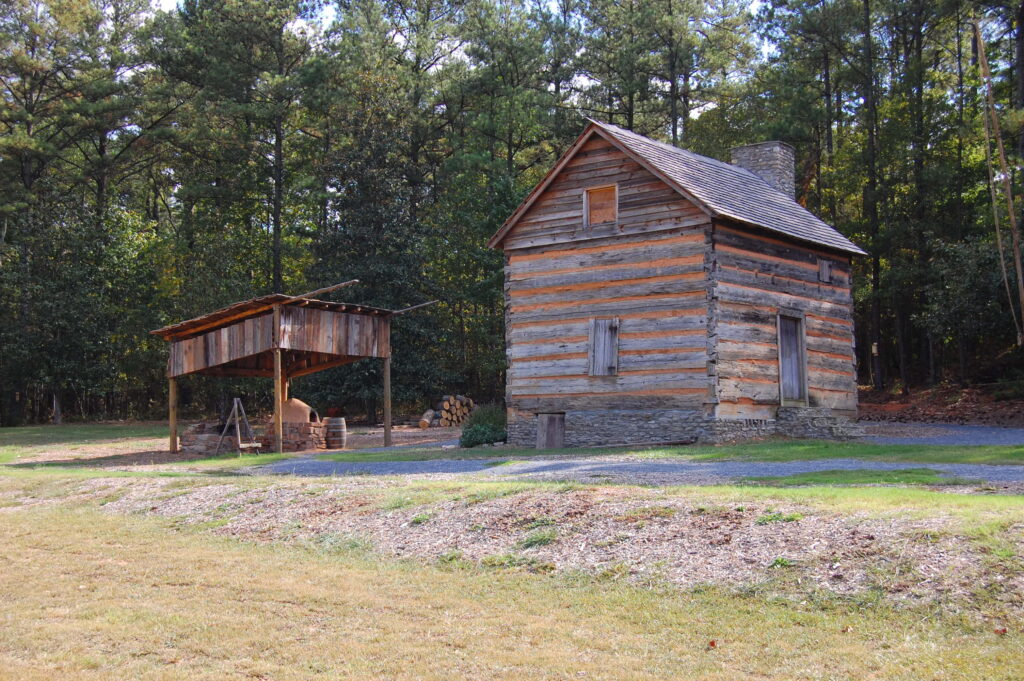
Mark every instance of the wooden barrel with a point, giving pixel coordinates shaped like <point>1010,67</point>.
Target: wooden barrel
<point>337,433</point>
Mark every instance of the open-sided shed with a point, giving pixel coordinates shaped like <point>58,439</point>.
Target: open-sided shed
<point>280,337</point>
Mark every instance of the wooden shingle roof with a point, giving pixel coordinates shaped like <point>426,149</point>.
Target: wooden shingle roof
<point>252,308</point>
<point>722,190</point>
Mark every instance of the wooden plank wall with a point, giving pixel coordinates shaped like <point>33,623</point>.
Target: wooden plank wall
<point>647,270</point>
<point>335,333</point>
<point>249,337</point>
<point>305,329</point>
<point>754,275</point>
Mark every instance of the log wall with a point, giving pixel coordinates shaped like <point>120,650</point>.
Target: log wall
<point>753,277</point>
<point>647,269</point>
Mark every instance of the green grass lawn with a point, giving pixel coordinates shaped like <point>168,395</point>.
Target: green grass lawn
<point>80,604</point>
<point>22,441</point>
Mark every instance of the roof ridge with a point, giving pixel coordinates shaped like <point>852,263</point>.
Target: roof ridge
<point>672,148</point>
<point>730,191</point>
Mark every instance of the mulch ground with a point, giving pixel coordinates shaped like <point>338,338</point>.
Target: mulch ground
<point>941,405</point>
<point>638,534</point>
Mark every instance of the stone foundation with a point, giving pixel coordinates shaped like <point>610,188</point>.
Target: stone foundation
<point>613,427</point>
<point>296,437</point>
<point>202,438</point>
<point>820,423</point>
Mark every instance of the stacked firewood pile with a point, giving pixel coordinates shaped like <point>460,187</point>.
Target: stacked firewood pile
<point>452,410</point>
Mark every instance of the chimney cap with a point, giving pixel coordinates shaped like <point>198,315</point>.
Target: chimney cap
<point>774,143</point>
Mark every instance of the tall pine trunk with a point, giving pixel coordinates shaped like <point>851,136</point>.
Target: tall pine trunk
<point>278,200</point>
<point>871,199</point>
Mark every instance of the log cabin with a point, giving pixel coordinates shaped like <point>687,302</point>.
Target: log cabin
<point>655,295</point>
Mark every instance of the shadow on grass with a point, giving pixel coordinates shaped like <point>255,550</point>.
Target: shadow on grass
<point>223,464</point>
<point>77,434</point>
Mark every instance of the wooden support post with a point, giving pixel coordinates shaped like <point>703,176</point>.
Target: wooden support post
<point>172,408</point>
<point>387,401</point>
<point>278,382</point>
<point>278,402</point>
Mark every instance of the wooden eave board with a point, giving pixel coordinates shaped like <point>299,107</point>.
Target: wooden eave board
<point>796,242</point>
<point>297,363</point>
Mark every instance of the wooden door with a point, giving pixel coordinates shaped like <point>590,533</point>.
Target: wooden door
<point>792,368</point>
<point>550,431</point>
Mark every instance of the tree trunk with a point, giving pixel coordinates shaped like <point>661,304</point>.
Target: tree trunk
<point>278,283</point>
<point>871,199</point>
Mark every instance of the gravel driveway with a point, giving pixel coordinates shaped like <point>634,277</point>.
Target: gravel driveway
<point>655,471</point>
<point>612,469</point>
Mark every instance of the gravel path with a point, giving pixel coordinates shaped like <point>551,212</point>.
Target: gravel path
<point>311,466</point>
<point>631,470</point>
<point>654,471</point>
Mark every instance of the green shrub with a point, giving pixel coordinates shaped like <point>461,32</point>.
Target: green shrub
<point>487,415</point>
<point>481,434</point>
<point>1009,389</point>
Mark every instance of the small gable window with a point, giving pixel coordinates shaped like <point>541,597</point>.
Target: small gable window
<point>604,347</point>
<point>601,205</point>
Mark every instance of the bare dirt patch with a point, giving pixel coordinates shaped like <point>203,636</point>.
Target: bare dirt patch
<point>135,453</point>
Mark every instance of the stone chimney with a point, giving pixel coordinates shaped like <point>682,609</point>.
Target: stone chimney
<point>774,162</point>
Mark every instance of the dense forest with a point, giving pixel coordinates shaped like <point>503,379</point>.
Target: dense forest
<point>160,160</point>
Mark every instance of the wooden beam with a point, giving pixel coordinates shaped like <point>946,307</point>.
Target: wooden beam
<point>230,372</point>
<point>414,307</point>
<point>328,289</point>
<point>220,321</point>
<point>387,401</point>
<point>278,402</point>
<point>323,365</point>
<point>172,408</point>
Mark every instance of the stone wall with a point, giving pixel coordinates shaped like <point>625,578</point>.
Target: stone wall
<point>600,428</point>
<point>773,162</point>
<point>819,423</point>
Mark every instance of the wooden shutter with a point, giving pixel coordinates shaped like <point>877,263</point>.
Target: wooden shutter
<point>604,347</point>
<point>792,367</point>
<point>825,270</point>
<point>602,205</point>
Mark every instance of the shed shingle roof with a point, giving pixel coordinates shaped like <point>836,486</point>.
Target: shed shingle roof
<point>721,189</point>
